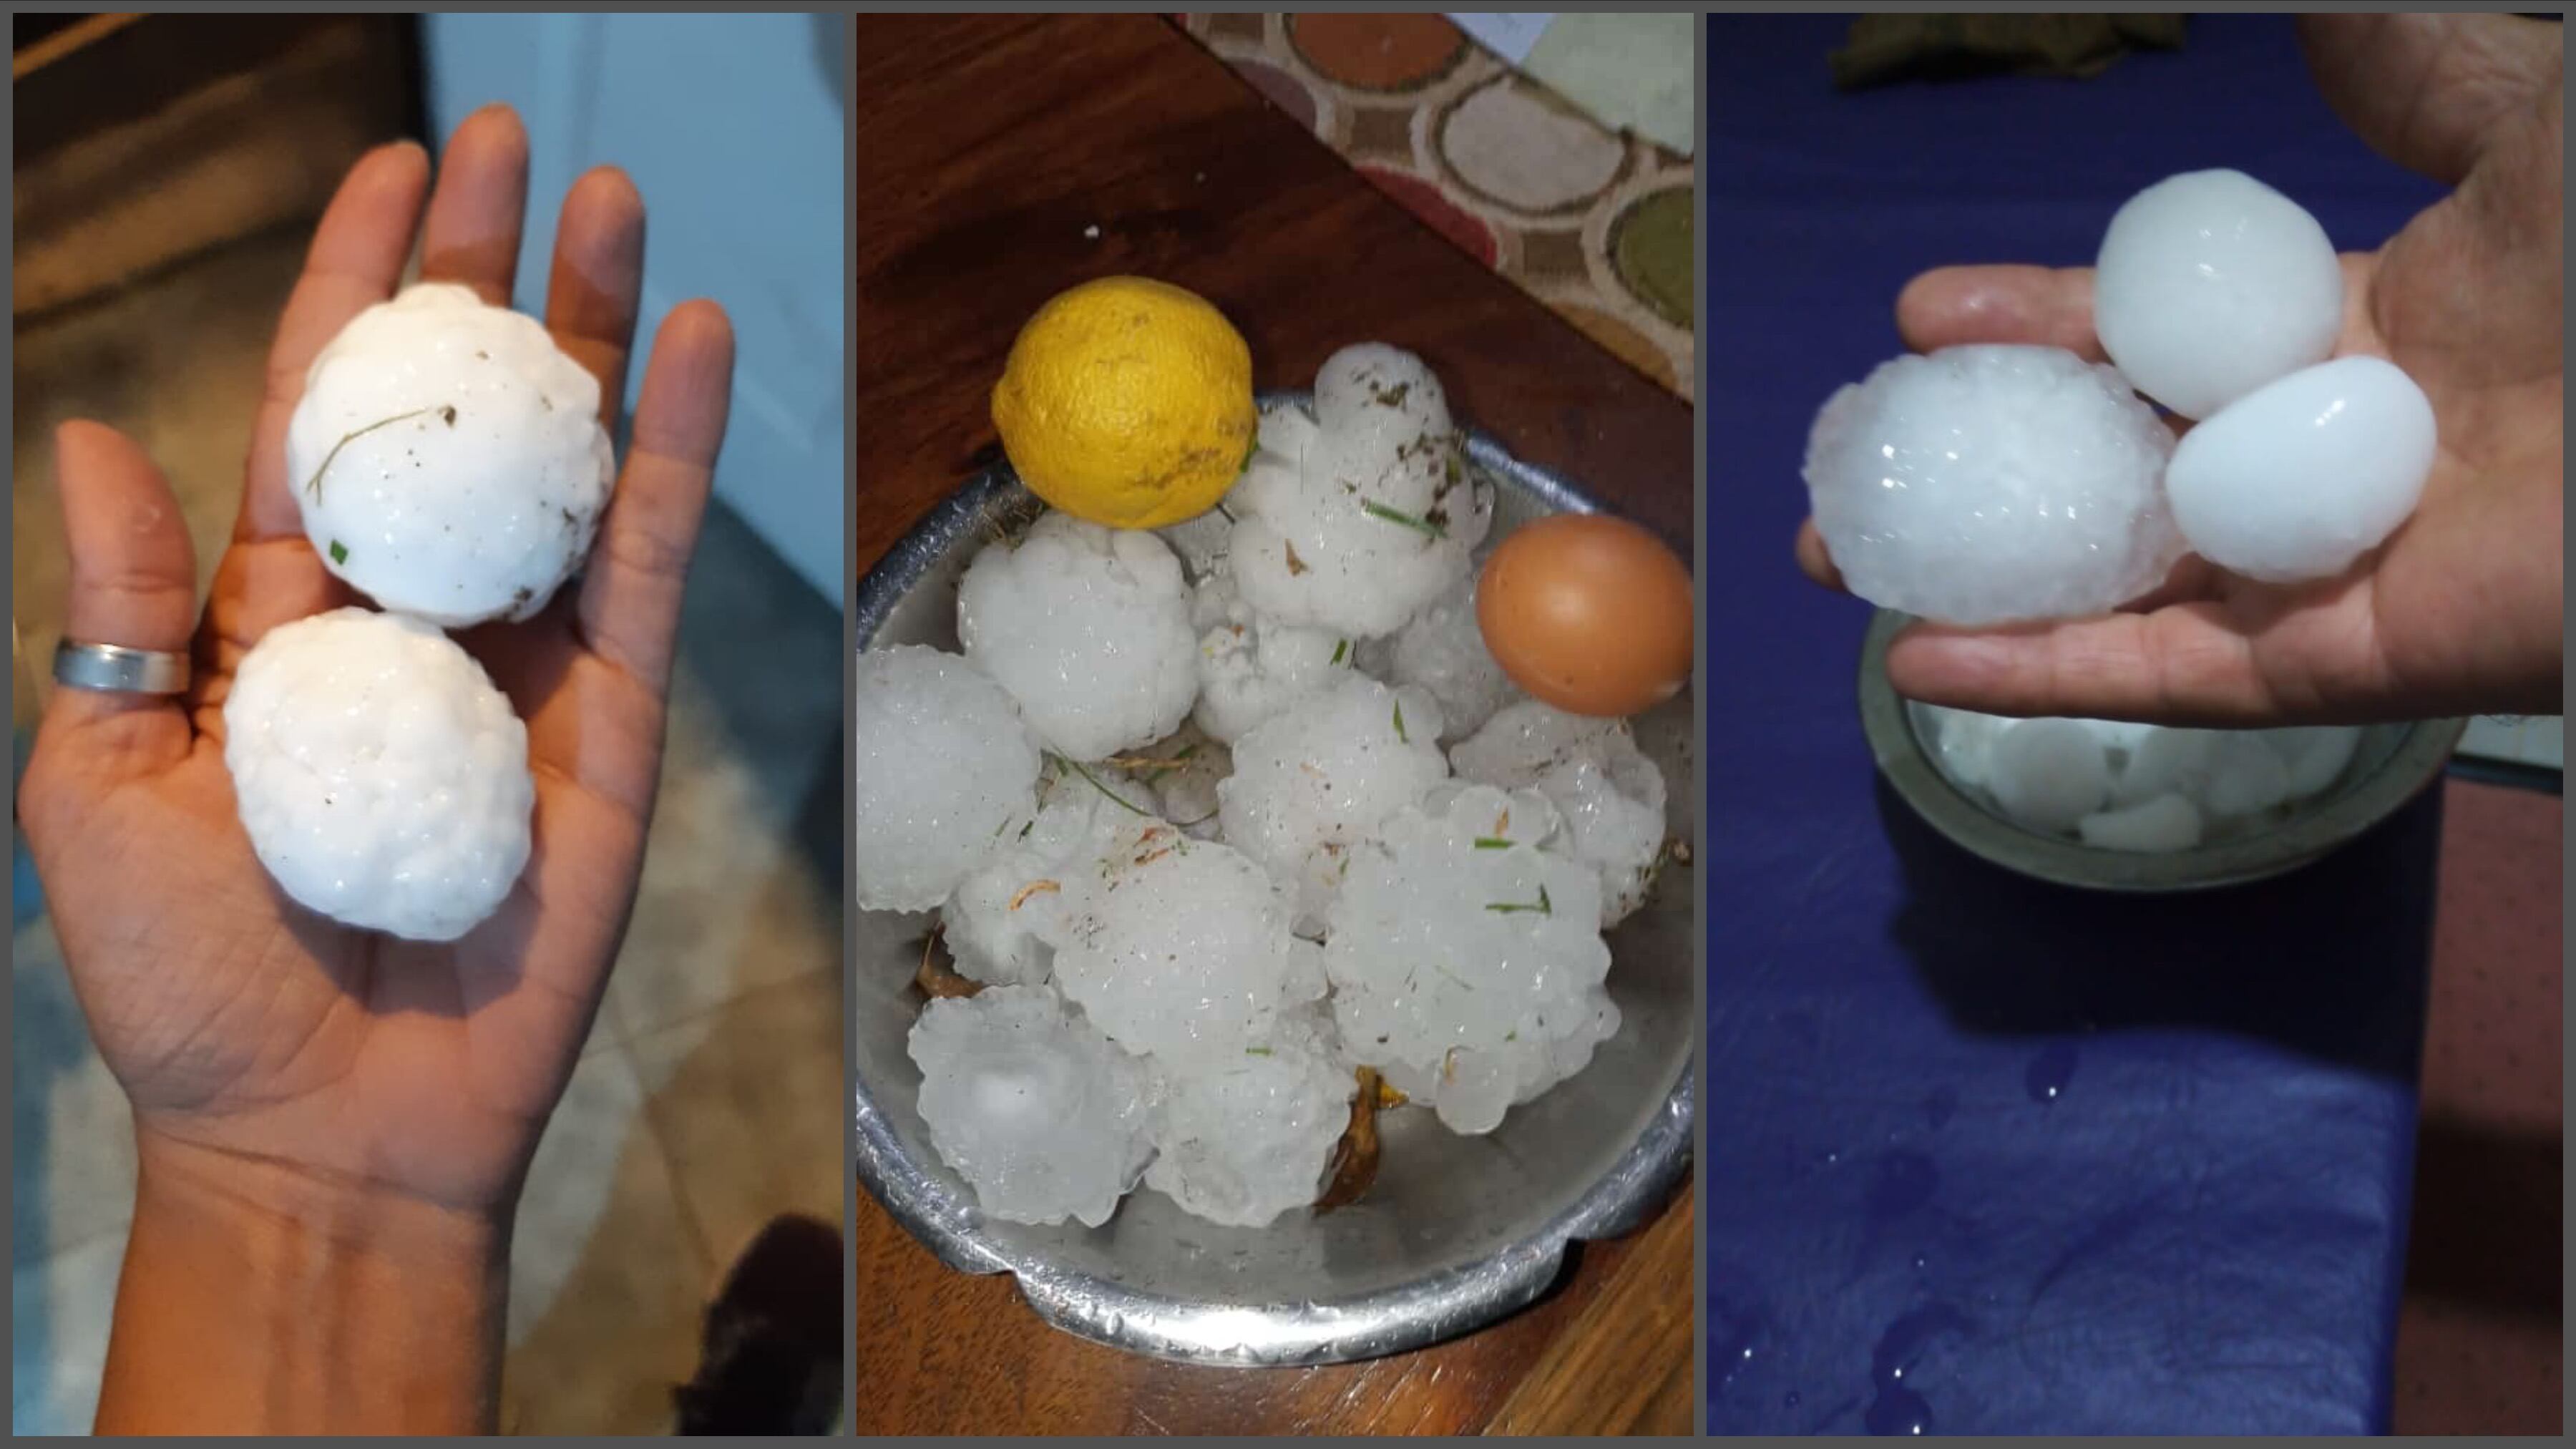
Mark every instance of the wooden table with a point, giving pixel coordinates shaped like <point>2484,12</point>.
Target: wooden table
<point>1001,159</point>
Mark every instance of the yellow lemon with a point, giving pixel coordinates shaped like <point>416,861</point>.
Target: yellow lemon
<point>1128,402</point>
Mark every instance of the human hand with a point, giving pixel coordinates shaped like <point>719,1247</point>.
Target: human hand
<point>2460,611</point>
<point>274,1057</point>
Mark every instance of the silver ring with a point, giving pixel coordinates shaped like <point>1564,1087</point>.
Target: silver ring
<point>117,669</point>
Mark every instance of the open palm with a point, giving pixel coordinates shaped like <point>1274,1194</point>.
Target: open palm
<point>240,1024</point>
<point>2460,611</point>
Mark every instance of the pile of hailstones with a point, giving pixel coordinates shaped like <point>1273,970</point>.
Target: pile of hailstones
<point>2145,789</point>
<point>1984,485</point>
<point>1184,805</point>
<point>449,463</point>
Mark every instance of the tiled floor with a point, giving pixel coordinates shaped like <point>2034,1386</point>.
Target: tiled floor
<point>709,1096</point>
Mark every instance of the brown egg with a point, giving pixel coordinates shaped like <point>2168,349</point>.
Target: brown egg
<point>1589,613</point>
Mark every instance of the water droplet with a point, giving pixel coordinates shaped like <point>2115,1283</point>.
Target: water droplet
<point>1791,1399</point>
<point>2049,1072</point>
<point>1919,1261</point>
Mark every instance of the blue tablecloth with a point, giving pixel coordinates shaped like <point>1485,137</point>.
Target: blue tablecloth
<point>1986,1155</point>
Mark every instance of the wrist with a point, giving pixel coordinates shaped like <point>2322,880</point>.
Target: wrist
<point>261,1296</point>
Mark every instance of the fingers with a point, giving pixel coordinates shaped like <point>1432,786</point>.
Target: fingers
<point>133,583</point>
<point>598,274</point>
<point>472,235</point>
<point>1813,560</point>
<point>630,600</point>
<point>357,257</point>
<point>2180,665</point>
<point>2046,306</point>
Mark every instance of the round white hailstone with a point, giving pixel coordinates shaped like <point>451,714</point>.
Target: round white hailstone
<point>1318,777</point>
<point>1250,668</point>
<point>2211,284</point>
<point>941,770</point>
<point>2120,738</point>
<point>2316,755</point>
<point>1463,946</point>
<point>1963,742</point>
<point>2047,774</point>
<point>1089,629</point>
<point>1242,1139</point>
<point>1042,1116</point>
<point>2247,776</point>
<point>448,458</point>
<point>1609,794</point>
<point>1180,948</point>
<point>2307,474</point>
<point>2159,826</point>
<point>1989,484</point>
<point>1355,519</point>
<point>1471,1088</point>
<point>1002,923</point>
<point>1443,651</point>
<point>381,778</point>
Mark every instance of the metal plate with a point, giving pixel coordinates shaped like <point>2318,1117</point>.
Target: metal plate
<point>1456,1233</point>
<point>2391,763</point>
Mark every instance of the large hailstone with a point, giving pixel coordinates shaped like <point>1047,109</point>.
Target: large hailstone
<point>1249,667</point>
<point>1314,780</point>
<point>1443,650</point>
<point>1989,484</point>
<point>381,778</point>
<point>2306,474</point>
<point>1002,923</point>
<point>448,458</point>
<point>1180,948</point>
<point>2211,284</point>
<point>1466,955</point>
<point>1089,629</point>
<point>941,771</point>
<point>1354,519</point>
<point>1610,796</point>
<point>1043,1117</point>
<point>1242,1138</point>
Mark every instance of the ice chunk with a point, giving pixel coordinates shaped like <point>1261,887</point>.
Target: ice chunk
<point>2316,756</point>
<point>1353,521</point>
<point>1043,1117</point>
<point>1963,742</point>
<point>1443,651</point>
<point>2164,824</point>
<point>941,771</point>
<point>1987,484</point>
<point>2048,774</point>
<point>1089,629</point>
<point>2211,284</point>
<point>1609,794</point>
<point>1466,955</point>
<point>1002,922</point>
<point>2246,776</point>
<point>1249,667</point>
<point>2307,474</point>
<point>1317,778</point>
<point>1180,948</point>
<point>1243,1138</point>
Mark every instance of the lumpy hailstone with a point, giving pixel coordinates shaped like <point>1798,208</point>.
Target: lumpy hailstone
<point>448,458</point>
<point>1089,629</point>
<point>1354,519</point>
<point>382,780</point>
<point>2306,474</point>
<point>1249,667</point>
<point>1180,948</point>
<point>1989,484</point>
<point>1443,650</point>
<point>1466,954</point>
<point>1610,796</point>
<point>1319,777</point>
<point>1242,1138</point>
<point>941,771</point>
<point>1002,923</point>
<point>1043,1117</point>
<point>2210,285</point>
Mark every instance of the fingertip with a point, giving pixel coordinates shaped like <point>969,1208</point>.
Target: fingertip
<point>608,187</point>
<point>688,383</point>
<point>1814,559</point>
<point>701,323</point>
<point>491,123</point>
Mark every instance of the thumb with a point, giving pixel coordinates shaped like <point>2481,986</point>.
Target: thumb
<point>134,584</point>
